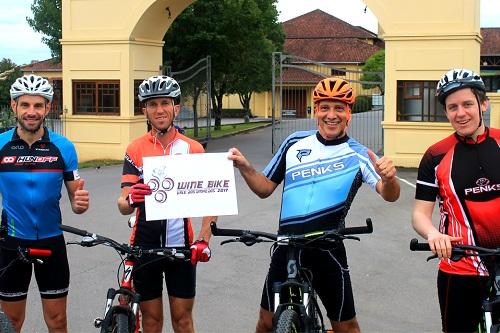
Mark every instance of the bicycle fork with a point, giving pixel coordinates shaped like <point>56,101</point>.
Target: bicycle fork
<point>127,299</point>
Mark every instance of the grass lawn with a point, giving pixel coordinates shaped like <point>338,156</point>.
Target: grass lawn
<point>225,130</point>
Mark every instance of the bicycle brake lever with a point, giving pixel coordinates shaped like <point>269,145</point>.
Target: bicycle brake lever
<point>228,241</point>
<point>434,256</point>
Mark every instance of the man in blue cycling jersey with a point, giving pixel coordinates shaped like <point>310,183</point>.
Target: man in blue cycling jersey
<point>34,163</point>
<point>322,170</point>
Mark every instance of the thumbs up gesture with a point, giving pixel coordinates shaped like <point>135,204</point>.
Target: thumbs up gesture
<point>80,202</point>
<point>383,166</point>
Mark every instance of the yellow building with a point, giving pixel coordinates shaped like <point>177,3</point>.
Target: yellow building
<point>106,56</point>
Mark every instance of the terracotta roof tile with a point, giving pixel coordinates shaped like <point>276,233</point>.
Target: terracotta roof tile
<point>318,24</point>
<point>342,50</point>
<point>48,65</point>
<point>491,41</point>
<point>322,37</point>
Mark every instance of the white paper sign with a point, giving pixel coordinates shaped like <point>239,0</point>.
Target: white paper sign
<point>189,185</point>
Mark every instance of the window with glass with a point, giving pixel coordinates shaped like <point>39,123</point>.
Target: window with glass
<point>338,72</point>
<point>137,103</point>
<point>96,97</point>
<point>416,101</point>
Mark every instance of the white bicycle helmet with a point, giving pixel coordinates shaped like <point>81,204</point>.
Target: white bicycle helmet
<point>456,79</point>
<point>159,86</point>
<point>31,85</point>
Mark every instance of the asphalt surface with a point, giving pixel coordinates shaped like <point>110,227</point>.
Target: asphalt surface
<point>394,288</point>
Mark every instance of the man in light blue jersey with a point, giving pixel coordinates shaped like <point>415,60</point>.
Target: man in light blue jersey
<point>322,170</point>
<point>34,164</point>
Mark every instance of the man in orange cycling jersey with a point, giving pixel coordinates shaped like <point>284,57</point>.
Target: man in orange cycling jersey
<point>461,172</point>
<point>160,96</point>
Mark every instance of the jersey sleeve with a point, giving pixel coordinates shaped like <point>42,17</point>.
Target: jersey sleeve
<point>276,168</point>
<point>132,168</point>
<point>68,153</point>
<point>427,187</point>
<point>370,176</point>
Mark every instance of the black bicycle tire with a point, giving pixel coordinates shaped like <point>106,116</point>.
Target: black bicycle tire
<point>121,323</point>
<point>5,324</point>
<point>288,322</point>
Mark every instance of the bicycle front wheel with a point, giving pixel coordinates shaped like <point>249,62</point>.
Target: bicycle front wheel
<point>288,322</point>
<point>5,324</point>
<point>121,323</point>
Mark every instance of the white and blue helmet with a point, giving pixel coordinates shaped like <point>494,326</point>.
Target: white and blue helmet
<point>456,79</point>
<point>159,86</point>
<point>31,85</point>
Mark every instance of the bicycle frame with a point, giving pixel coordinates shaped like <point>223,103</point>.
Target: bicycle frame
<point>297,293</point>
<point>294,299</point>
<point>124,316</point>
<point>128,302</point>
<point>490,321</point>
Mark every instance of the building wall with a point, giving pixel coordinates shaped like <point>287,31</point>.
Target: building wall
<point>421,44</point>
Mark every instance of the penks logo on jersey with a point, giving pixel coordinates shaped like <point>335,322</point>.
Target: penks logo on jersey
<point>28,159</point>
<point>483,185</point>
<point>303,152</point>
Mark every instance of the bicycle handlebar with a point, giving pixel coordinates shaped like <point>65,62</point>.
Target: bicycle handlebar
<point>416,246</point>
<point>170,252</point>
<point>249,237</point>
<point>458,250</point>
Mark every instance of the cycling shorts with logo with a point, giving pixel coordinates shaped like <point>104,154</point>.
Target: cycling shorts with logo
<point>149,272</point>
<point>52,276</point>
<point>330,279</point>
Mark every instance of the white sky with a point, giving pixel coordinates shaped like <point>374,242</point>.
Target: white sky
<point>21,44</point>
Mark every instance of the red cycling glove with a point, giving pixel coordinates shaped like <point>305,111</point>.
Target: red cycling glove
<point>137,193</point>
<point>200,252</point>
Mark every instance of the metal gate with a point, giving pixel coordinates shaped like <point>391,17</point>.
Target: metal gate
<point>195,115</point>
<point>293,82</point>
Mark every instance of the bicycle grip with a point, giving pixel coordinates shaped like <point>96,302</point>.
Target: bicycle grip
<point>416,246</point>
<point>368,229</point>
<point>39,252</point>
<point>74,230</point>
<point>224,232</point>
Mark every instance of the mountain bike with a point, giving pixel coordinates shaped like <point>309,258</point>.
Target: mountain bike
<point>490,321</point>
<point>296,307</point>
<point>123,317</point>
<point>27,255</point>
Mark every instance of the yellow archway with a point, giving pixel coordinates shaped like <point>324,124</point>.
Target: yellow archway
<point>117,41</point>
<point>121,41</point>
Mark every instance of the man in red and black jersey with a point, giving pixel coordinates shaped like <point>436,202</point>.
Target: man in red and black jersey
<point>461,172</point>
<point>161,96</point>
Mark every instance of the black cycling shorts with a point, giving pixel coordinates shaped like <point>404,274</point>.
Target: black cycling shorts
<point>460,300</point>
<point>148,274</point>
<point>330,279</point>
<point>52,276</point>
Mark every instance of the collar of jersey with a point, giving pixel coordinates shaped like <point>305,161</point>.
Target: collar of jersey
<point>333,142</point>
<point>44,138</point>
<point>152,135</point>
<point>480,138</point>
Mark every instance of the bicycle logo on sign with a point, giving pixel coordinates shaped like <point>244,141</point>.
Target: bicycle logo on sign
<point>160,184</point>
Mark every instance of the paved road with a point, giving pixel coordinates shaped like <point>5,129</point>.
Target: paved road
<point>394,288</point>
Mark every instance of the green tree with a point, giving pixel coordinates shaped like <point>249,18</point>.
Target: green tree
<point>239,35</point>
<point>373,69</point>
<point>9,72</point>
<point>47,20</point>
<point>252,72</point>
